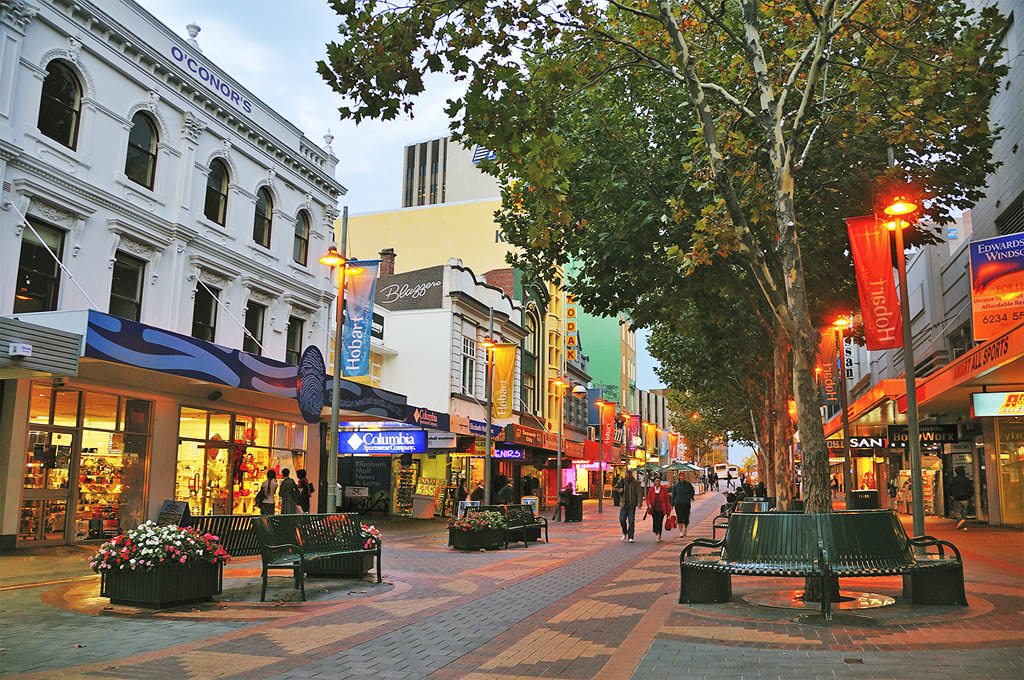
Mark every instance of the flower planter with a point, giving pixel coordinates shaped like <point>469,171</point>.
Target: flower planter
<point>165,586</point>
<point>341,566</point>
<point>488,539</point>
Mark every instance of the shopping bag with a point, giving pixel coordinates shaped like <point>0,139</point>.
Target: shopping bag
<point>670,523</point>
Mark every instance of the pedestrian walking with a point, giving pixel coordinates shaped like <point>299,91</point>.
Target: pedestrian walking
<point>729,479</point>
<point>761,491</point>
<point>682,498</point>
<point>629,496</point>
<point>265,496</point>
<point>478,492</point>
<point>563,502</point>
<point>506,495</point>
<point>306,489</point>
<point>960,489</point>
<point>658,505</point>
<point>462,493</point>
<point>288,492</point>
<point>615,493</point>
<point>834,484</point>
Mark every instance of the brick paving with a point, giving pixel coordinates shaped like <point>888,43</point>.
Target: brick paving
<point>585,606</point>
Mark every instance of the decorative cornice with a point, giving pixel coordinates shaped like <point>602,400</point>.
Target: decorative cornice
<point>17,13</point>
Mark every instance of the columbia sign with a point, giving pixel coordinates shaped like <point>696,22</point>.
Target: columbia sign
<point>405,441</point>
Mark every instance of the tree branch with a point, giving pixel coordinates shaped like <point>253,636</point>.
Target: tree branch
<point>632,10</point>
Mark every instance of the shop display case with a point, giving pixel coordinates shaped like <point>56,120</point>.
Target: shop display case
<point>100,482</point>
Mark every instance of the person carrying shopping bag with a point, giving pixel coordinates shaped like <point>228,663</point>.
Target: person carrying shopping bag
<point>658,505</point>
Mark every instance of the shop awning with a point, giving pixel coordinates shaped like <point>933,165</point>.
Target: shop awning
<point>875,407</point>
<point>127,343</point>
<point>31,351</point>
<point>994,364</point>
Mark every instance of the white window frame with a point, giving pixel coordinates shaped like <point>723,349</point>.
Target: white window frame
<point>469,352</point>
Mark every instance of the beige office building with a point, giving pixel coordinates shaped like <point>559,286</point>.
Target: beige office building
<point>444,171</point>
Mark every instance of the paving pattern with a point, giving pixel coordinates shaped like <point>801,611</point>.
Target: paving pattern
<point>584,606</point>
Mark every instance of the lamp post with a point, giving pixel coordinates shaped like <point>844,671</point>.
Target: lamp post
<point>488,344</point>
<point>902,206</point>
<point>839,324</point>
<point>559,386</point>
<point>335,259</point>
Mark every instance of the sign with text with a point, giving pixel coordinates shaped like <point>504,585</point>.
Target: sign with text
<point>509,454</point>
<point>420,289</point>
<point>441,440</point>
<point>503,384</point>
<point>572,337</point>
<point>424,417</point>
<point>607,410</point>
<point>358,325</point>
<point>929,434</point>
<point>633,432</point>
<point>997,285</point>
<point>997,404</point>
<point>382,442</point>
<point>879,304</point>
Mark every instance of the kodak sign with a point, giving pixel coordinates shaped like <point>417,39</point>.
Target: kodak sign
<point>572,337</point>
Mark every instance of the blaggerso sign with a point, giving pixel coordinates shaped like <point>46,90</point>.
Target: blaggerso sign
<point>403,441</point>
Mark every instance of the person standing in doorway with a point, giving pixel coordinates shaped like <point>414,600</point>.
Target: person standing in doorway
<point>629,497</point>
<point>288,491</point>
<point>682,497</point>
<point>306,489</point>
<point>960,490</point>
<point>658,505</point>
<point>265,496</point>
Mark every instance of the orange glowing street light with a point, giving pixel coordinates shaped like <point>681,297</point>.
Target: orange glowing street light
<point>842,322</point>
<point>901,204</point>
<point>694,416</point>
<point>891,225</point>
<point>332,258</point>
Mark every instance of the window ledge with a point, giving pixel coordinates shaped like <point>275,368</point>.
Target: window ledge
<point>58,150</point>
<point>302,269</point>
<point>133,189</point>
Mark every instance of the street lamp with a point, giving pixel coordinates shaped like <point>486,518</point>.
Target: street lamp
<point>839,324</point>
<point>334,258</point>
<point>489,344</point>
<point>902,205</point>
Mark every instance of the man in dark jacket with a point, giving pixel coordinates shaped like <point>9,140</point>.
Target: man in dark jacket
<point>682,496</point>
<point>629,495</point>
<point>507,495</point>
<point>960,489</point>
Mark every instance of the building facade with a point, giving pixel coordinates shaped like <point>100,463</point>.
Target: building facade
<point>444,171</point>
<point>150,200</point>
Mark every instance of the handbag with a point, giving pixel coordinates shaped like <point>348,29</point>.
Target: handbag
<point>670,523</point>
<point>260,496</point>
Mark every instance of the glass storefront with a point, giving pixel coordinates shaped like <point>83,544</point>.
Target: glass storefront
<point>87,452</point>
<point>1010,453</point>
<point>224,457</point>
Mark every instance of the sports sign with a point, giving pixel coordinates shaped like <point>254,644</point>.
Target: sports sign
<point>382,442</point>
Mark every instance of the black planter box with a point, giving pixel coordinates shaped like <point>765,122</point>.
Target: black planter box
<point>487,539</point>
<point>165,586</point>
<point>341,566</point>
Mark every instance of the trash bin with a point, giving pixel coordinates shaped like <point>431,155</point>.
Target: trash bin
<point>574,511</point>
<point>866,499</point>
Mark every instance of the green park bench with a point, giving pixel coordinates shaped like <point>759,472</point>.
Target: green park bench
<point>294,542</point>
<point>523,525</point>
<point>825,546</point>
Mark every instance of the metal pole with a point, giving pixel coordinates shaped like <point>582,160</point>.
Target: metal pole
<point>333,449</point>
<point>487,386</point>
<point>558,455</point>
<point>600,473</point>
<point>913,434</point>
<point>844,398</point>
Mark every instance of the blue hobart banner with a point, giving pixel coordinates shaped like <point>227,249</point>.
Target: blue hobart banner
<point>360,287</point>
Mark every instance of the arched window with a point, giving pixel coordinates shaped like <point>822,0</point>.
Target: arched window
<point>60,105</point>
<point>261,221</point>
<point>217,192</point>
<point>300,247</point>
<point>140,161</point>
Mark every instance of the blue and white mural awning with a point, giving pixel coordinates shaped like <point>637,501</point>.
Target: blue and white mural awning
<point>109,338</point>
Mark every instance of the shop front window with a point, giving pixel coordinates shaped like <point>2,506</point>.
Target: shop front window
<point>223,458</point>
<point>1010,435</point>
<point>97,467</point>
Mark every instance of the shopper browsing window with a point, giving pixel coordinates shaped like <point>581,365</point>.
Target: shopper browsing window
<point>265,496</point>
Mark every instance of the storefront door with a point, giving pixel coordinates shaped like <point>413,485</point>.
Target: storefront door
<point>50,462</point>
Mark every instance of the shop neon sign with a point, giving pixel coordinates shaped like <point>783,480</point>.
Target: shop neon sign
<point>509,454</point>
<point>404,441</point>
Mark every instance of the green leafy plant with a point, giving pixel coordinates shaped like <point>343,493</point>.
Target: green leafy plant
<point>478,521</point>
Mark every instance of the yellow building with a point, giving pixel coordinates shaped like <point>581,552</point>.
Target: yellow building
<point>430,235</point>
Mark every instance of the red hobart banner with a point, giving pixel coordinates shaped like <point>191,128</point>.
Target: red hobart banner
<point>879,303</point>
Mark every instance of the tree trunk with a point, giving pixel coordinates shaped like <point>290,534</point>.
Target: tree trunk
<point>804,340</point>
<point>780,417</point>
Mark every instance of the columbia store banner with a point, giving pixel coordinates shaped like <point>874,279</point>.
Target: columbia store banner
<point>355,340</point>
<point>503,386</point>
<point>634,432</point>
<point>879,304</point>
<point>607,423</point>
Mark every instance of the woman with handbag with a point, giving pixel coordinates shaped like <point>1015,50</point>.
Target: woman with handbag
<point>682,497</point>
<point>658,505</point>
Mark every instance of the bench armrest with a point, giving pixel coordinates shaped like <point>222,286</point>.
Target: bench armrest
<point>926,541</point>
<point>826,567</point>
<point>699,542</point>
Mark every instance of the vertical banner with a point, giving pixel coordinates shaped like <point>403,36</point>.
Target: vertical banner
<point>673,447</point>
<point>879,304</point>
<point>650,446</point>
<point>828,363</point>
<point>503,381</point>
<point>572,338</point>
<point>633,432</point>
<point>663,443</point>
<point>997,285</point>
<point>607,423</point>
<point>360,287</point>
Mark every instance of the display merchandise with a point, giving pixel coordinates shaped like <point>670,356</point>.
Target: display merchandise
<point>407,477</point>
